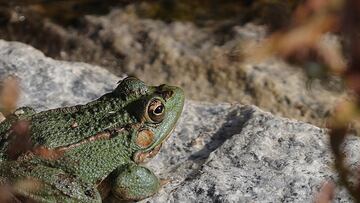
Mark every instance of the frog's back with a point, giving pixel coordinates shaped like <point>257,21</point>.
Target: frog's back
<point>65,126</point>
<point>50,128</point>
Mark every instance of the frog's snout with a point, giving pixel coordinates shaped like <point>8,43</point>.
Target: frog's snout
<point>174,101</point>
<point>174,96</point>
<point>179,97</point>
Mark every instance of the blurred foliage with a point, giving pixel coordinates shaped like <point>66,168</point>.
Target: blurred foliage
<point>63,12</point>
<point>326,193</point>
<point>9,95</point>
<point>271,12</point>
<point>301,43</point>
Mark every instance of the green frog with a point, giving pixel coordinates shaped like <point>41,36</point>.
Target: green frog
<point>75,151</point>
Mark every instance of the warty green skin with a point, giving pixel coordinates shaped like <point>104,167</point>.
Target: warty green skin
<point>96,140</point>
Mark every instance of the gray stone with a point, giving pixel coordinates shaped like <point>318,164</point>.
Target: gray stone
<point>217,153</point>
<point>48,83</point>
<point>236,153</point>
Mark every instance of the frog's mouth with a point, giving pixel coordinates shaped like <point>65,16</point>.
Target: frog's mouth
<point>168,135</point>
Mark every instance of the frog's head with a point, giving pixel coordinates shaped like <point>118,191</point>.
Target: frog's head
<point>156,109</point>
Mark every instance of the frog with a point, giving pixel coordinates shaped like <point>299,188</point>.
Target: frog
<point>76,150</point>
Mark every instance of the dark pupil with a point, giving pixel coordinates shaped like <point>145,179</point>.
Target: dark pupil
<point>159,109</point>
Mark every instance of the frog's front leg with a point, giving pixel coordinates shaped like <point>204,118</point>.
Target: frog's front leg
<point>133,182</point>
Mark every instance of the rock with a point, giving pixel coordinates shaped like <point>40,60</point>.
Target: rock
<point>47,83</point>
<point>217,153</point>
<point>206,61</point>
<point>237,153</point>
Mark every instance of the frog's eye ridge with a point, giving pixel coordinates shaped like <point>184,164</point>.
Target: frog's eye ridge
<point>156,110</point>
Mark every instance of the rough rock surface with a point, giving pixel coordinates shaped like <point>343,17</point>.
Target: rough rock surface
<point>205,61</point>
<point>236,153</point>
<point>51,83</point>
<point>218,152</point>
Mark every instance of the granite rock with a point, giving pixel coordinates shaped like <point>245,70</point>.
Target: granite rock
<point>47,83</point>
<point>218,152</point>
<point>239,153</point>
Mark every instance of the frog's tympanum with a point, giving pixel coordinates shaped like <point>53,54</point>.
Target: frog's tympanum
<point>76,149</point>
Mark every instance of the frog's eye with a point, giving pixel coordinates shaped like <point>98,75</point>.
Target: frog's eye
<point>156,110</point>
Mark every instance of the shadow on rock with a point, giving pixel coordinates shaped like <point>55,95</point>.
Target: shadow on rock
<point>233,125</point>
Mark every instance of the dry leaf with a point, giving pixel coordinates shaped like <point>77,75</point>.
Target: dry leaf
<point>9,94</point>
<point>326,194</point>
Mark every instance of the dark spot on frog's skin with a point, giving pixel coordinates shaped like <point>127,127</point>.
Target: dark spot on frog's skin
<point>68,182</point>
<point>122,96</point>
<point>89,193</point>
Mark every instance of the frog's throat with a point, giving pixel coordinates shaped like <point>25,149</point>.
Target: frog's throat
<point>59,151</point>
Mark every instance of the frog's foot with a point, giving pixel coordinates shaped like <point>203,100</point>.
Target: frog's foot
<point>134,183</point>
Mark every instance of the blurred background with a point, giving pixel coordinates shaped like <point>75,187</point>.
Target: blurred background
<point>208,47</point>
<point>294,58</point>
